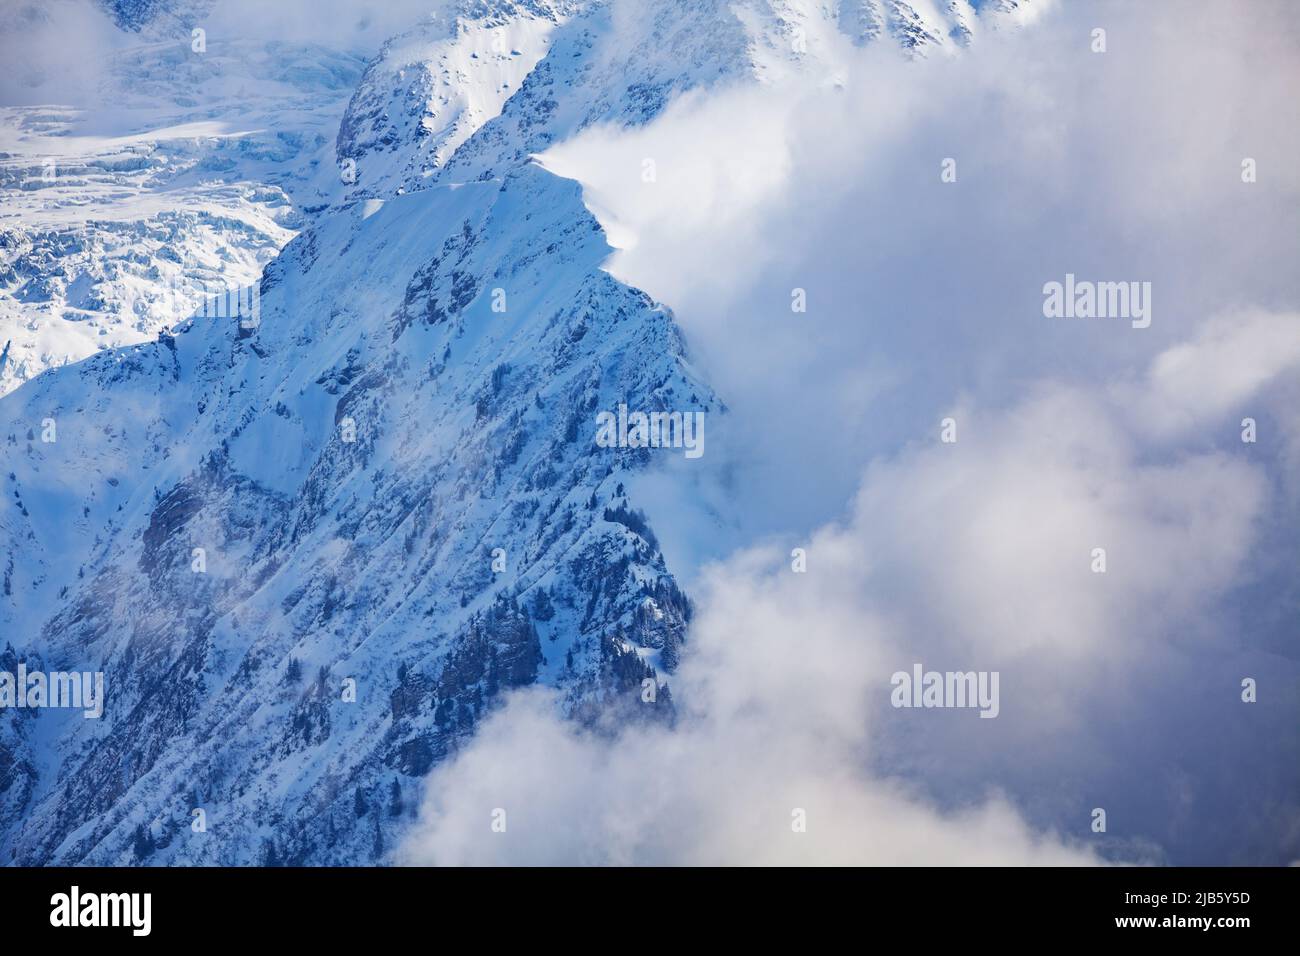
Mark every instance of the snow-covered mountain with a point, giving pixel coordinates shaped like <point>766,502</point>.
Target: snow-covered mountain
<point>308,547</point>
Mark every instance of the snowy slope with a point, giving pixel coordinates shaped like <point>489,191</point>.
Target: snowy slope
<point>371,559</point>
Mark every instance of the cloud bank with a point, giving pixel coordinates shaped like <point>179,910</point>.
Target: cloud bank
<point>974,555</point>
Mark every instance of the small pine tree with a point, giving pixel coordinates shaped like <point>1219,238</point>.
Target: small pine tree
<point>270,855</point>
<point>493,682</point>
<point>144,845</point>
<point>542,609</point>
<point>395,799</point>
<point>359,803</point>
<point>442,714</point>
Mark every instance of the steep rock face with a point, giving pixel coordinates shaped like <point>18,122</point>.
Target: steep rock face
<point>18,775</point>
<point>472,537</point>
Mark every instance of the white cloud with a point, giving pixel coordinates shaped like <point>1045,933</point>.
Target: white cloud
<point>704,795</point>
<point>974,555</point>
<point>1213,374</point>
